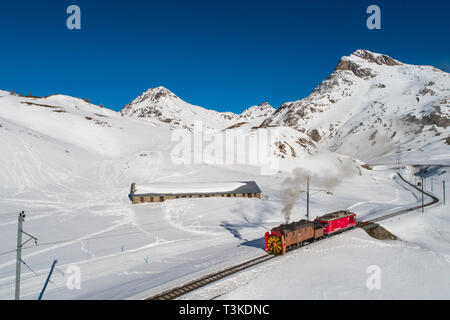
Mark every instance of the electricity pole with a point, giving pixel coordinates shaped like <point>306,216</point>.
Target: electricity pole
<point>398,157</point>
<point>20,245</point>
<point>443,187</point>
<point>431,184</point>
<point>19,254</point>
<point>422,194</point>
<point>307,200</point>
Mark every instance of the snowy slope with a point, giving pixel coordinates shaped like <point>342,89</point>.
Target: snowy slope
<point>80,124</point>
<point>377,109</point>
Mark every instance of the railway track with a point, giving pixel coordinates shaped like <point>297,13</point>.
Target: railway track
<point>196,284</point>
<point>434,200</point>
<point>206,280</point>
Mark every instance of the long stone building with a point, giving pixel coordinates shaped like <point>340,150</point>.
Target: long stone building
<point>248,189</point>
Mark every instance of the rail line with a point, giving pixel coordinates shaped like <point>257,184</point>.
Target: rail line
<point>196,284</point>
<point>434,200</point>
<point>213,277</point>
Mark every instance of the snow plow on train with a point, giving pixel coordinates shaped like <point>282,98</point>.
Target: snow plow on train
<point>290,236</point>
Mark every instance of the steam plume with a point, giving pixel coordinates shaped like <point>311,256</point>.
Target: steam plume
<point>327,177</point>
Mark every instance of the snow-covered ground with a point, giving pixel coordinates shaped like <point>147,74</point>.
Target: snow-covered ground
<point>125,250</point>
<point>416,266</point>
<point>71,171</point>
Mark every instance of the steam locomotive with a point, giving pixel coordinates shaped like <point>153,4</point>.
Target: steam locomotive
<point>290,236</point>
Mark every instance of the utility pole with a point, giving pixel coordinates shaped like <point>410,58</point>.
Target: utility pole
<point>307,199</point>
<point>443,189</point>
<point>431,184</point>
<point>19,254</point>
<point>398,157</point>
<point>20,245</point>
<point>422,194</point>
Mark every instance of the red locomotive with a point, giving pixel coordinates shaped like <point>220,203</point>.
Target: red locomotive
<point>290,236</point>
<point>337,221</point>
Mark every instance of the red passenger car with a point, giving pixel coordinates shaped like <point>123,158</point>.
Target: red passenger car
<point>337,221</point>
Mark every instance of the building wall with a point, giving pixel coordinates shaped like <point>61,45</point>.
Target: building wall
<point>142,199</point>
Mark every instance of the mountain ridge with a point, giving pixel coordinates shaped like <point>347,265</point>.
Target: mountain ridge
<point>373,105</point>
<point>163,105</point>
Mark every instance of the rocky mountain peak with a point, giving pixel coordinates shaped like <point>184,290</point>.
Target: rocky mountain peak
<point>156,94</point>
<point>377,58</point>
<point>265,105</point>
<point>160,105</point>
<point>151,101</point>
<point>370,105</point>
<point>257,114</point>
<point>360,63</point>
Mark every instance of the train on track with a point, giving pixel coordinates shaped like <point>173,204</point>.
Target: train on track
<point>290,236</point>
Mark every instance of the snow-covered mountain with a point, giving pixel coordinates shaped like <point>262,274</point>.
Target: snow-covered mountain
<point>274,149</point>
<point>372,107</point>
<point>376,108</point>
<point>74,124</point>
<point>160,105</point>
<point>257,114</point>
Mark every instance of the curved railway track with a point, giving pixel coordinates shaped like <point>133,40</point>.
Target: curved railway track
<point>434,200</point>
<point>213,277</point>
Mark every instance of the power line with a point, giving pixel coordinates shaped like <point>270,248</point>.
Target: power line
<point>6,252</point>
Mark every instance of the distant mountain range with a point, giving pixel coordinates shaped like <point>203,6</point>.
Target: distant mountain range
<point>372,107</point>
<point>161,105</point>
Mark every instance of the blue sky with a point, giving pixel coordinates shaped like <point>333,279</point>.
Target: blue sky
<point>225,55</point>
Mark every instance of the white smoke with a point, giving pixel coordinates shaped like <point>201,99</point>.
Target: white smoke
<point>325,176</point>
